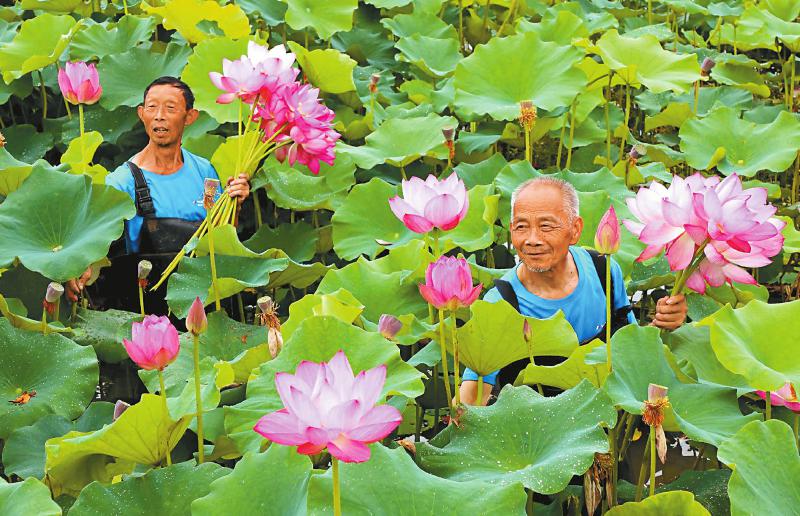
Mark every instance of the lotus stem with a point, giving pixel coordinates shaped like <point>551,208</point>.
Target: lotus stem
<point>445,368</point>
<point>561,142</point>
<point>652,442</point>
<point>403,172</point>
<point>608,312</point>
<point>768,411</point>
<point>66,105</point>
<point>125,6</point>
<point>612,448</point>
<point>461,22</point>
<point>456,363</point>
<point>624,139</point>
<point>571,132</point>
<point>696,95</point>
<point>479,400</point>
<point>44,97</point>
<point>198,400</point>
<point>435,389</point>
<point>141,300</point>
<point>166,409</point>
<point>337,502</point>
<point>80,124</point>
<point>217,305</point>
<point>257,207</point>
<point>682,276</point>
<point>528,150</point>
<point>608,124</point>
<point>626,437</point>
<point>642,472</point>
<point>44,321</point>
<point>735,50</point>
<point>796,428</point>
<point>791,85</point>
<point>649,12</point>
<point>485,27</point>
<point>511,9</point>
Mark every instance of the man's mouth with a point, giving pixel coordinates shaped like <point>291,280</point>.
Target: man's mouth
<point>160,130</point>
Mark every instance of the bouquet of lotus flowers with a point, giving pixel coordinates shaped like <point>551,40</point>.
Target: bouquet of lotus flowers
<point>710,229</point>
<point>286,118</point>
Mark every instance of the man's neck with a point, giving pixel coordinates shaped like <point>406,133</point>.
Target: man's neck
<point>556,283</point>
<point>160,160</point>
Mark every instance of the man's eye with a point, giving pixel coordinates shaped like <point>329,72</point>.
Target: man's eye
<point>546,227</point>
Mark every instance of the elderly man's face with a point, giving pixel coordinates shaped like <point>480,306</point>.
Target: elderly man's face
<point>164,115</point>
<point>541,230</point>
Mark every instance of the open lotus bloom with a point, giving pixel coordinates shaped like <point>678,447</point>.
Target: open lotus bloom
<point>448,284</point>
<point>326,406</point>
<point>431,203</point>
<point>607,237</point>
<point>154,343</point>
<point>79,83</point>
<point>732,226</point>
<point>239,78</point>
<point>786,396</point>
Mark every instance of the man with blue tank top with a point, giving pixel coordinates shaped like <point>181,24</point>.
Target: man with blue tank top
<point>165,181</point>
<point>555,274</point>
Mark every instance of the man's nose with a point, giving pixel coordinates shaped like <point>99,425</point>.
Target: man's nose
<point>534,237</point>
<point>160,112</point>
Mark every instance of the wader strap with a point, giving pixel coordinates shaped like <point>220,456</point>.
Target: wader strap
<point>143,201</point>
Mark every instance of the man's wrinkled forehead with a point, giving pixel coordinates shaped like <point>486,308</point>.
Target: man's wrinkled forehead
<point>165,93</point>
<point>540,201</point>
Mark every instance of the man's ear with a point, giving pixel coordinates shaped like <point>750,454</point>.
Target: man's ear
<point>577,229</point>
<point>191,117</point>
<point>140,112</point>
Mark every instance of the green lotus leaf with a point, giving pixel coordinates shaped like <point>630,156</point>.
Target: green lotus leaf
<point>691,345</point>
<point>745,339</point>
<point>123,88</point>
<point>762,454</point>
<point>437,57</point>
<point>271,11</point>
<point>477,339</point>
<point>26,144</point>
<point>524,437</point>
<point>35,362</point>
<point>419,22</point>
<point>80,153</point>
<point>22,87</point>
<point>188,16</point>
<point>675,114</point>
<point>708,488</point>
<point>476,230</point>
<point>391,480</point>
<point>58,6</point>
<point>497,76</point>
<point>642,61</point>
<point>298,240</point>
<point>104,331</point>
<point>706,413</point>
<point>673,502</point>
<point>242,491</point>
<point>111,124</point>
<point>592,207</point>
<point>98,40</point>
<point>62,244</point>
<point>401,141</point>
<point>741,76</point>
<point>482,173</point>
<point>24,454</point>
<point>327,18</point>
<point>26,498</point>
<point>293,188</point>
<point>317,339</point>
<point>14,317</point>
<point>560,27</point>
<point>756,36</point>
<point>207,57</point>
<point>39,43</point>
<point>169,491</point>
<point>329,70</point>
<point>791,242</point>
<point>469,143</point>
<point>340,304</point>
<point>756,20</point>
<point>783,9</point>
<point>570,372</point>
<point>140,435</point>
<point>380,292</point>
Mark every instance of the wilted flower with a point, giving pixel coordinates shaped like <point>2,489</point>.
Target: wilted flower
<point>269,318</point>
<point>325,406</point>
<point>2,141</point>
<point>154,343</point>
<point>653,415</point>
<point>448,284</point>
<point>527,114</point>
<point>431,203</point>
<point>706,66</point>
<point>51,296</point>
<point>607,237</point>
<point>196,320</point>
<point>389,326</point>
<point>449,133</point>
<point>373,83</point>
<point>636,152</point>
<point>79,83</point>
<point>786,396</point>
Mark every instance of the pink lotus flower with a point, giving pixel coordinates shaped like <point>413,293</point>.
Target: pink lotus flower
<point>79,83</point>
<point>389,326</point>
<point>607,237</point>
<point>786,396</point>
<point>154,343</point>
<point>431,203</point>
<point>274,64</point>
<point>196,320</point>
<point>239,78</point>
<point>326,407</point>
<point>448,284</point>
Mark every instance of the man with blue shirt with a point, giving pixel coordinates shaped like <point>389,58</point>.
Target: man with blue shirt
<point>554,274</point>
<point>165,181</point>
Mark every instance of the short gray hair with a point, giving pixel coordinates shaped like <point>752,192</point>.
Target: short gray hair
<point>569,194</point>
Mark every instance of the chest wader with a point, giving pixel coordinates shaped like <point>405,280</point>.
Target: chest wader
<point>161,238</point>
<point>619,318</point>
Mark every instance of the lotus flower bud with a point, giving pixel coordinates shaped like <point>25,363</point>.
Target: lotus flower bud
<point>527,331</point>
<point>119,407</point>
<point>448,284</point>
<point>373,82</point>
<point>389,326</point>
<point>269,318</point>
<point>527,114</point>
<point>653,415</point>
<point>786,396</point>
<point>636,152</point>
<point>54,292</point>
<point>196,321</point>
<point>79,83</point>
<point>154,343</point>
<point>705,68</point>
<point>2,141</point>
<point>607,237</point>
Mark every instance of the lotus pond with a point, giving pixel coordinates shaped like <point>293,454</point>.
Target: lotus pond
<point>322,376</point>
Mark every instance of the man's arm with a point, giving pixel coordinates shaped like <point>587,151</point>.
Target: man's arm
<point>469,392</point>
<point>670,311</point>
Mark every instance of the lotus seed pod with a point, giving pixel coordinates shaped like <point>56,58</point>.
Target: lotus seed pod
<point>373,82</point>
<point>143,270</point>
<point>119,407</point>
<point>705,68</point>
<point>527,114</point>
<point>265,304</point>
<point>54,291</point>
<point>449,133</point>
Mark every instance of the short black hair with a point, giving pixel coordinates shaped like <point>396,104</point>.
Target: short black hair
<point>188,96</point>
